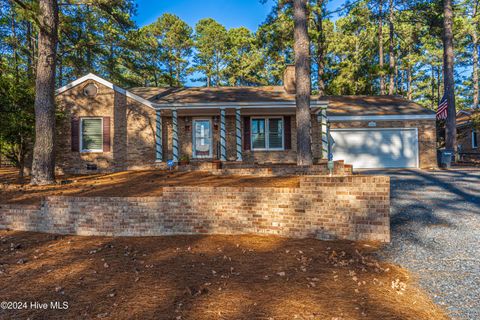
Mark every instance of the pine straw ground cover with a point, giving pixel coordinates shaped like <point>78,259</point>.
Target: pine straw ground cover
<point>125,184</point>
<point>204,277</point>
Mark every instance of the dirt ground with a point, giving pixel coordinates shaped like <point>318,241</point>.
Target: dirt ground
<point>203,277</point>
<point>125,184</point>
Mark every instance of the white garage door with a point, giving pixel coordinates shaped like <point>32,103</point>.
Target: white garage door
<point>376,148</point>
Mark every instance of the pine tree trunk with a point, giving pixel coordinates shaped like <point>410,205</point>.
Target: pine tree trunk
<point>409,83</point>
<point>448,78</point>
<point>432,86</point>
<point>398,77</point>
<point>31,50</point>
<point>476,89</point>
<point>14,42</point>
<point>302,82</point>
<point>43,169</point>
<point>380,47</point>
<point>439,89</point>
<point>60,65</point>
<point>391,54</point>
<point>320,49</point>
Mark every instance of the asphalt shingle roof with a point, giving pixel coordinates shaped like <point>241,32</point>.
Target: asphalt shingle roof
<point>338,105</point>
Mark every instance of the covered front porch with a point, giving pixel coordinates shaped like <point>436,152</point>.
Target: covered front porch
<point>250,133</point>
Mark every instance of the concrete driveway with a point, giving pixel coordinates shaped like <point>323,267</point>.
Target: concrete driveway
<point>435,221</point>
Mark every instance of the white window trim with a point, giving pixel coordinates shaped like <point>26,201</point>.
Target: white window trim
<point>81,135</point>
<point>474,135</point>
<point>267,142</point>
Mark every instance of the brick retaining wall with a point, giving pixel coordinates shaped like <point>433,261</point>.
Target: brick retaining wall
<point>268,170</point>
<point>339,207</point>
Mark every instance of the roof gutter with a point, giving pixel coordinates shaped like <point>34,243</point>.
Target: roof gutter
<point>392,117</point>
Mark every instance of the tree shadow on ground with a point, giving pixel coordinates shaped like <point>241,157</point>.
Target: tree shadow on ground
<point>196,277</point>
<point>423,199</point>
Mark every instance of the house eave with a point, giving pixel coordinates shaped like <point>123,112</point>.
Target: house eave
<point>240,105</point>
<point>392,117</point>
<point>106,83</point>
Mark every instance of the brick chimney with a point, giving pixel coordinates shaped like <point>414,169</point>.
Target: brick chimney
<point>289,78</point>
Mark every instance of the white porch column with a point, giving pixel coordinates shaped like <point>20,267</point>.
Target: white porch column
<point>223,136</point>
<point>323,124</point>
<point>175,135</point>
<point>238,133</point>
<point>158,137</point>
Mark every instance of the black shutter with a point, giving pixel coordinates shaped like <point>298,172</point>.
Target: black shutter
<point>75,135</point>
<point>246,133</point>
<point>106,134</point>
<point>287,123</point>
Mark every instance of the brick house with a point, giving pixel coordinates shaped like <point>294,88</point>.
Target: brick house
<point>468,137</point>
<point>108,128</point>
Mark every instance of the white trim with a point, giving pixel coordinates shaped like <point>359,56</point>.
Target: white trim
<point>267,131</point>
<point>418,148</point>
<point>383,117</point>
<point>81,135</point>
<point>373,129</point>
<point>106,83</point>
<point>386,129</point>
<point>194,151</point>
<point>474,139</point>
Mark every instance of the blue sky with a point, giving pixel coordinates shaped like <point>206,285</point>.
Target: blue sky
<point>230,13</point>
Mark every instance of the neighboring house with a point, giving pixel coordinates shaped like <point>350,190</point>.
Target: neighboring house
<point>468,137</point>
<point>107,128</point>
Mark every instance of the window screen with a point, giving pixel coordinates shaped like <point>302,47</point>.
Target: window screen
<point>258,134</point>
<point>92,135</point>
<point>267,133</point>
<point>275,133</point>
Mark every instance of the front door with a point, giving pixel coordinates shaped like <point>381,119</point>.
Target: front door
<point>202,138</point>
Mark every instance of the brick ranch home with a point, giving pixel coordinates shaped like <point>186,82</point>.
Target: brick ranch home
<point>468,137</point>
<point>108,128</point>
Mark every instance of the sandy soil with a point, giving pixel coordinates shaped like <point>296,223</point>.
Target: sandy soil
<point>125,184</point>
<point>209,277</point>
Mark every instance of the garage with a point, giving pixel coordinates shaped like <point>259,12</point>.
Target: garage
<point>377,147</point>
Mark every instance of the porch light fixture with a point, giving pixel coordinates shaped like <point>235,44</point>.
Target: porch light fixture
<point>187,123</point>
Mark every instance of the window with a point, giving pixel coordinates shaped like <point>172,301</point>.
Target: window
<point>267,133</point>
<point>474,139</point>
<point>91,130</point>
